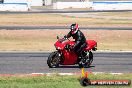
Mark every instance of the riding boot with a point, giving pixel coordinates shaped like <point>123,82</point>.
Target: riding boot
<point>81,59</point>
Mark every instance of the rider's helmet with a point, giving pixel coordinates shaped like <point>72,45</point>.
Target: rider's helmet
<point>74,28</point>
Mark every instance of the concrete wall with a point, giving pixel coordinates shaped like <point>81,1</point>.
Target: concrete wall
<point>47,2</point>
<point>62,5</point>
<point>112,5</point>
<point>102,5</point>
<point>14,7</point>
<point>30,2</point>
<point>36,2</point>
<point>17,2</point>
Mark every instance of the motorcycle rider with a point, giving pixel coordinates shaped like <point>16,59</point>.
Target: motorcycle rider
<point>80,40</point>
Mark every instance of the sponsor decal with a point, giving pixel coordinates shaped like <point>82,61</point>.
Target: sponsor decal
<point>85,81</point>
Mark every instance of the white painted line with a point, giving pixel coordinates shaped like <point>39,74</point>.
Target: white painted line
<point>116,73</point>
<point>61,74</point>
<point>95,73</point>
<point>37,73</point>
<point>66,73</point>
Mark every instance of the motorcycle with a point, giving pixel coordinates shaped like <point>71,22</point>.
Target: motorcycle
<point>65,56</point>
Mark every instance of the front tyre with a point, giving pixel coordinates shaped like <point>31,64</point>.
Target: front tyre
<point>53,60</point>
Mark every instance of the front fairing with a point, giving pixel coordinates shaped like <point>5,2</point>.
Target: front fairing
<point>60,45</point>
<point>69,57</point>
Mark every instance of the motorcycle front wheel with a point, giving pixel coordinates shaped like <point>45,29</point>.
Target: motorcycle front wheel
<point>53,60</point>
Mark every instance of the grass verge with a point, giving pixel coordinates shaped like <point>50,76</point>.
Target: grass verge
<point>56,81</point>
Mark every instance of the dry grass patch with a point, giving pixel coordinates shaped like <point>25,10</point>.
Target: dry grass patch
<point>119,14</point>
<point>54,19</point>
<point>43,40</point>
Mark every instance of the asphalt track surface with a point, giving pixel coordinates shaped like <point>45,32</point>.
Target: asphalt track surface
<point>60,11</point>
<point>60,27</point>
<point>36,62</point>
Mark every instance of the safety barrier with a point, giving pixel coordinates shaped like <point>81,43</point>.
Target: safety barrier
<point>14,7</point>
<point>102,5</point>
<point>62,5</point>
<point>112,5</point>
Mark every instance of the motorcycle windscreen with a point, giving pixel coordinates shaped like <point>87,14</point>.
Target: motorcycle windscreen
<point>70,58</point>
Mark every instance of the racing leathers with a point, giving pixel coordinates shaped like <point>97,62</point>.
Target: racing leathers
<point>80,42</point>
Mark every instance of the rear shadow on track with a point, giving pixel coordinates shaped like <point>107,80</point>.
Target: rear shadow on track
<point>62,66</point>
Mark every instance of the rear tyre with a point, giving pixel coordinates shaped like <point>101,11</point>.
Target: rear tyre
<point>53,60</point>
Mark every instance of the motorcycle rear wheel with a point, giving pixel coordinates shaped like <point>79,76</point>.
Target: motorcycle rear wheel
<point>53,60</point>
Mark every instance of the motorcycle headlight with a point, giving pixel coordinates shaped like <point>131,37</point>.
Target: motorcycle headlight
<point>58,48</point>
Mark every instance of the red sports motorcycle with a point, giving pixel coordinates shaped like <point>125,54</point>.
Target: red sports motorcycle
<point>65,56</point>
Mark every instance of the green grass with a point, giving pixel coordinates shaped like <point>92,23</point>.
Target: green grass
<point>57,81</point>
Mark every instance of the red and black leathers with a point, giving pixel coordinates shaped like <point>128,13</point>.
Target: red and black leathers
<point>80,41</point>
